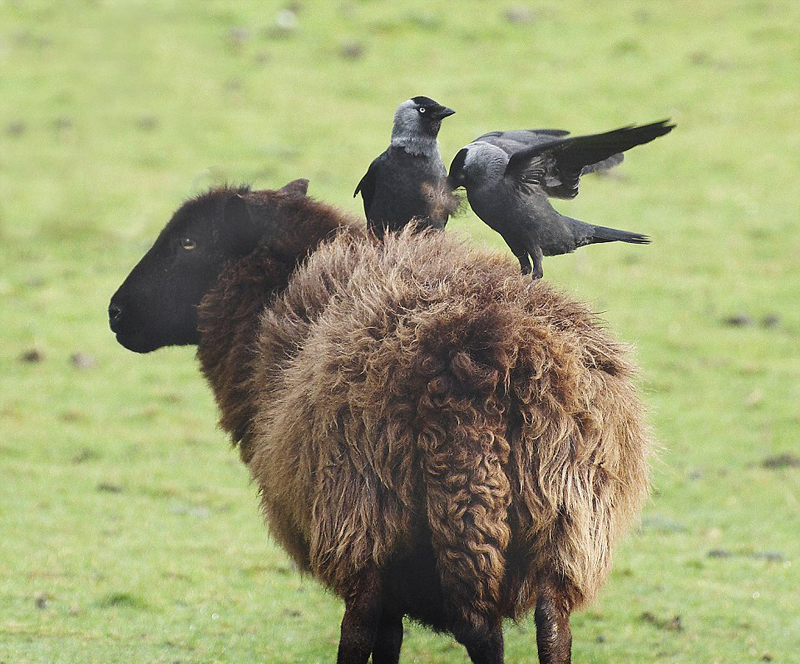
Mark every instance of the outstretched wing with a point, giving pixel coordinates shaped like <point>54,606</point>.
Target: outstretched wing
<point>520,139</point>
<point>557,166</point>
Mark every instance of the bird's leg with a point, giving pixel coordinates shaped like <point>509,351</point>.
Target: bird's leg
<point>362,618</point>
<point>524,263</point>
<point>553,635</point>
<point>537,256</point>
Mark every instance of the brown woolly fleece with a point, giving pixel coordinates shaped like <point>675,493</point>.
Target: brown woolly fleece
<point>420,408</point>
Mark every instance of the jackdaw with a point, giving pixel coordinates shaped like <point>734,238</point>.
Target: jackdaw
<point>408,180</point>
<point>509,176</point>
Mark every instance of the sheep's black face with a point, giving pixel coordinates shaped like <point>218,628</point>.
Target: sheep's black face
<point>157,304</point>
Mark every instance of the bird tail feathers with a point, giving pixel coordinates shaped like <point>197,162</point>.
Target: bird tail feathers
<point>605,234</point>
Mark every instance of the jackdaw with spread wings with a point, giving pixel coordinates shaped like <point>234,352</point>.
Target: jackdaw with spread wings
<point>509,176</point>
<point>408,180</point>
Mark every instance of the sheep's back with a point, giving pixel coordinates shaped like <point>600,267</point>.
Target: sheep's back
<point>372,343</point>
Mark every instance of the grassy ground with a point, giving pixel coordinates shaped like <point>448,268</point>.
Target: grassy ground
<point>128,529</point>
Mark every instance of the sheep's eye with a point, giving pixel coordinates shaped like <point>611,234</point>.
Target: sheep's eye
<point>188,243</point>
<point>421,109</point>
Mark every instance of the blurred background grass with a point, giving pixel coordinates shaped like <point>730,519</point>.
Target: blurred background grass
<point>128,530</point>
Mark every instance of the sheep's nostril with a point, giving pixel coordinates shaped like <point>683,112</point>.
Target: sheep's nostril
<point>114,316</point>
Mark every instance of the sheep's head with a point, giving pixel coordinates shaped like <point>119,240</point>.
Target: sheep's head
<point>157,304</point>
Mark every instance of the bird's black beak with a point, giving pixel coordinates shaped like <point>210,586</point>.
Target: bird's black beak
<point>440,112</point>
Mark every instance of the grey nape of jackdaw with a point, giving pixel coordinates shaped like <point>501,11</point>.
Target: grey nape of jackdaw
<point>408,180</point>
<point>509,176</point>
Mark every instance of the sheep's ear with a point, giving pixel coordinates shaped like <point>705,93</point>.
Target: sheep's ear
<point>241,232</point>
<point>297,188</point>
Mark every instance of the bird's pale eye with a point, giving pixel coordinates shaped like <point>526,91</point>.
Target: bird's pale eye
<point>188,243</point>
<point>421,109</point>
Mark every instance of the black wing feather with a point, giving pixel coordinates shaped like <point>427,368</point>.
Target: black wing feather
<point>557,167</point>
<point>367,185</point>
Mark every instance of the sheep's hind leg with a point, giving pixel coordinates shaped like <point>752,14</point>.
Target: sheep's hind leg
<point>553,636</point>
<point>487,649</point>
<point>362,619</point>
<point>388,640</point>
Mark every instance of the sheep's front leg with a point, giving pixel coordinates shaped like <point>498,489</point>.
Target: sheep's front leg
<point>362,618</point>
<point>389,640</point>
<point>553,636</point>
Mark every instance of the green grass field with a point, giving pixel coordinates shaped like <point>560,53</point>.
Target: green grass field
<point>128,529</point>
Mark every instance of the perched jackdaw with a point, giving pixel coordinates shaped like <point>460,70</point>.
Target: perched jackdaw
<point>510,175</point>
<point>409,181</point>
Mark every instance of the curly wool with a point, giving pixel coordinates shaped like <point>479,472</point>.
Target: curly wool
<point>419,400</point>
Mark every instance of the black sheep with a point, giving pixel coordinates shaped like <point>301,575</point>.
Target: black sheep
<point>432,434</point>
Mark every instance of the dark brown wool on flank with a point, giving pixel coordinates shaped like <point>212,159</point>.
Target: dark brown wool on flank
<point>428,429</point>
